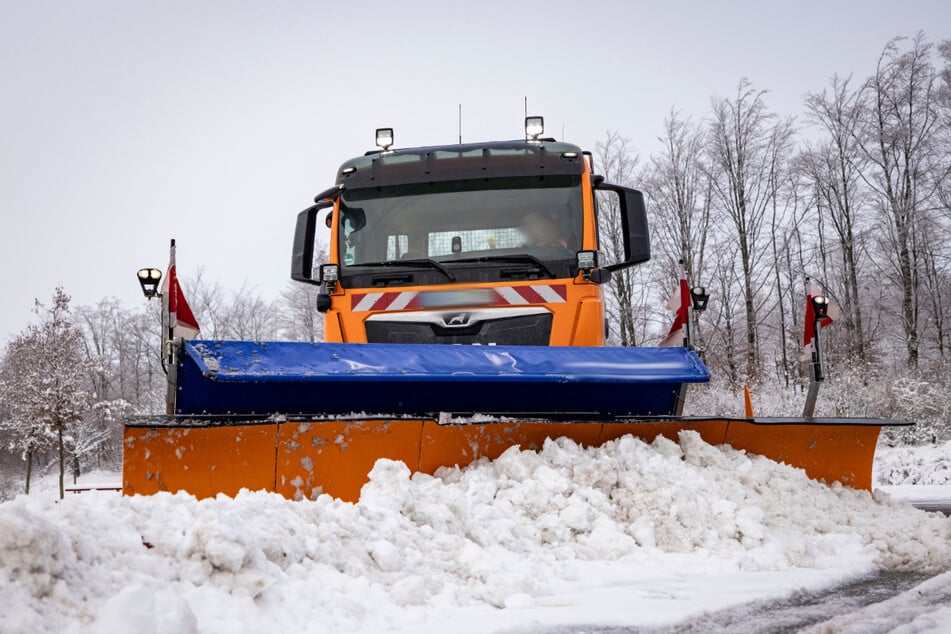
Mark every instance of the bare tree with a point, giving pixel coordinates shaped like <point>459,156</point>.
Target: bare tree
<point>208,300</point>
<point>747,147</point>
<point>617,163</point>
<point>723,352</point>
<point>835,169</point>
<point>680,196</point>
<point>938,282</point>
<point>249,317</point>
<point>297,315</point>
<point>298,318</point>
<point>238,315</point>
<point>785,218</point>
<point>905,168</point>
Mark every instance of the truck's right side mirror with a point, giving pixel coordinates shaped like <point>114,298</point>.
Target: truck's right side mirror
<point>302,256</point>
<point>636,234</point>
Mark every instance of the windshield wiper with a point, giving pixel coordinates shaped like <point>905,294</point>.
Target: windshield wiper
<point>514,257</point>
<point>426,263</point>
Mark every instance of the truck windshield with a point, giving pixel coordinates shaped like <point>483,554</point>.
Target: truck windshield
<point>463,226</point>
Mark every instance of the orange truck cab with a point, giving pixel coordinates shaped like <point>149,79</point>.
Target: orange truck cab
<point>476,244</point>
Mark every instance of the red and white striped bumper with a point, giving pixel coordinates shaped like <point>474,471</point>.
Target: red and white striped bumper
<point>496,296</point>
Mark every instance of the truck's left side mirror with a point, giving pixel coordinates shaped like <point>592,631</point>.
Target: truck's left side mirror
<point>637,241</point>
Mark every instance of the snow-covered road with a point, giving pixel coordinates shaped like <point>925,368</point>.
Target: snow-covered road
<point>853,606</point>
<point>935,498</point>
<point>628,535</point>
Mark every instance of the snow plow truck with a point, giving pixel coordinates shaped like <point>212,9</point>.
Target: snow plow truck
<point>464,308</point>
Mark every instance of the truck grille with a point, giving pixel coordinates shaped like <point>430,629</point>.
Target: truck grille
<point>500,326</point>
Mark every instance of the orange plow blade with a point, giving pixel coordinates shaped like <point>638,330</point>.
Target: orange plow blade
<point>204,460</point>
<point>303,459</point>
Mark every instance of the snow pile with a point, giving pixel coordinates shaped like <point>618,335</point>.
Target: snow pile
<point>922,465</point>
<point>501,533</point>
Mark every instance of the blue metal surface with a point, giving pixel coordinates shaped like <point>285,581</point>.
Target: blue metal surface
<point>264,378</point>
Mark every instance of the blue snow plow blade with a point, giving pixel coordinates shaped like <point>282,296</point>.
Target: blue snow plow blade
<point>327,379</point>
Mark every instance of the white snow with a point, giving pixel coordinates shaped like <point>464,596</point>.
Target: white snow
<point>924,608</point>
<point>920,494</point>
<point>629,533</point>
<point>918,475</point>
<point>922,465</point>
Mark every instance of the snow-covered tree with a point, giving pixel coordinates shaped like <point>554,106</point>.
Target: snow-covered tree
<point>26,435</point>
<point>43,385</point>
<point>90,434</point>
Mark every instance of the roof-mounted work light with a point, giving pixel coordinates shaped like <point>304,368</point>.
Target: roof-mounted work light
<point>149,280</point>
<point>384,138</point>
<point>820,307</point>
<point>534,127</point>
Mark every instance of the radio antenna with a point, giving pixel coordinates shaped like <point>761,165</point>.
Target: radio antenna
<point>460,124</point>
<point>526,115</point>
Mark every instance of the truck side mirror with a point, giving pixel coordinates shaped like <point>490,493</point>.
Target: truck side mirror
<point>302,257</point>
<point>637,242</point>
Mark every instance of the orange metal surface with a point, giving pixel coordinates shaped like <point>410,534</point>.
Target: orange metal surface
<point>833,453</point>
<point>712,431</point>
<point>302,460</point>
<point>450,445</point>
<point>204,461</point>
<point>335,457</point>
<point>590,239</point>
<point>333,329</point>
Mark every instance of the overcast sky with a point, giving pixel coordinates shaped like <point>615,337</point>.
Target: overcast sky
<point>126,123</point>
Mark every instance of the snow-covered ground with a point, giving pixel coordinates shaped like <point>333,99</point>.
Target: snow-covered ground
<point>47,486</point>
<point>924,608</point>
<point>626,534</point>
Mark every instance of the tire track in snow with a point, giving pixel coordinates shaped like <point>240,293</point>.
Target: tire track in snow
<point>789,614</point>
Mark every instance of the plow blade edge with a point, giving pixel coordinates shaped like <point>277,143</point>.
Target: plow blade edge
<point>302,459</point>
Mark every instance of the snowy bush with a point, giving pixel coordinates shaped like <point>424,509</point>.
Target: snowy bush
<point>930,466</point>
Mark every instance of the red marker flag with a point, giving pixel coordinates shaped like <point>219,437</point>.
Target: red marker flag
<point>680,303</point>
<point>181,320</point>
<point>812,290</point>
